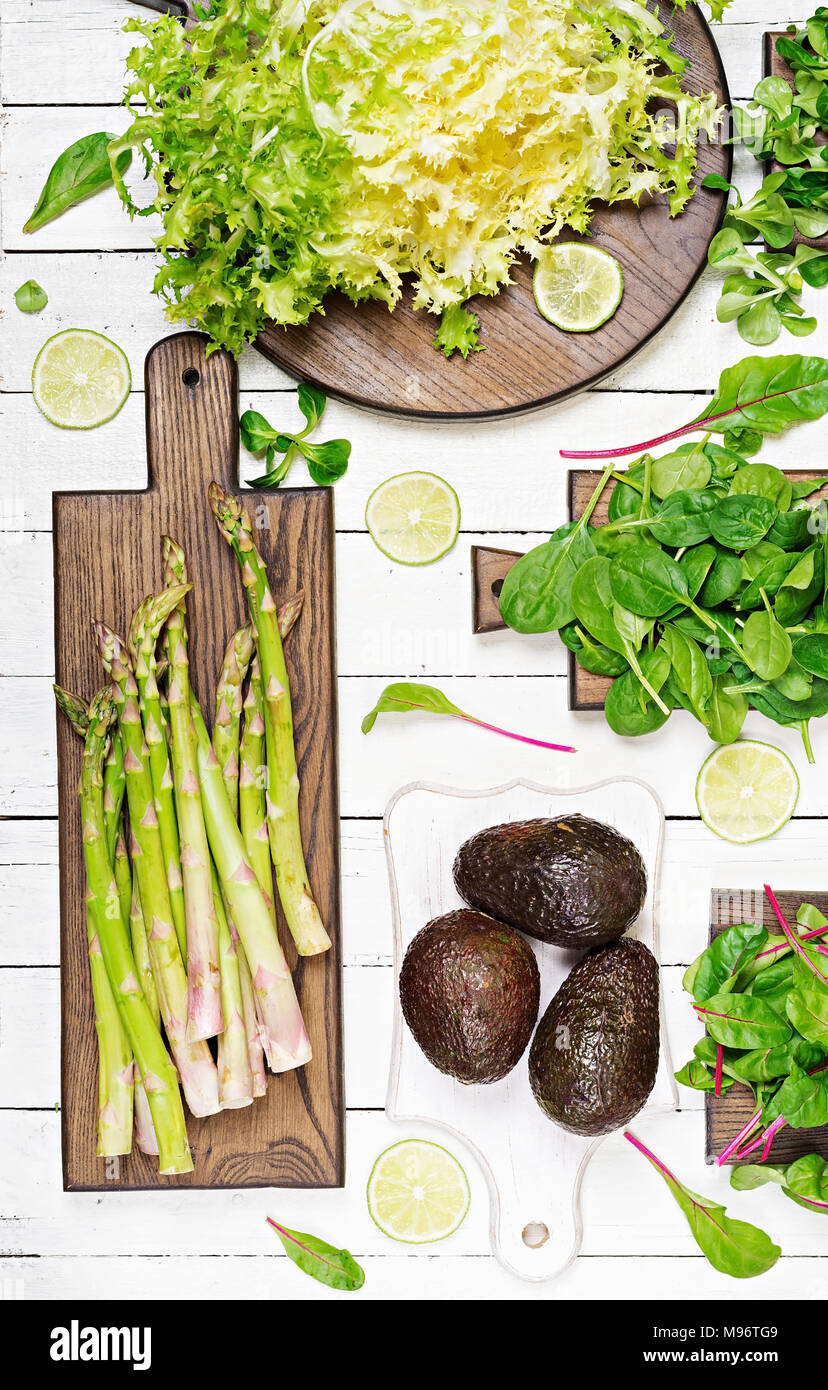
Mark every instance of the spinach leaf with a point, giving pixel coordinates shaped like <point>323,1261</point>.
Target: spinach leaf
<point>766,644</point>
<point>688,467</point>
<point>683,518</point>
<point>762,480</point>
<point>594,657</point>
<point>30,298</point>
<point>812,653</point>
<point>739,522</point>
<point>80,171</point>
<point>723,581</point>
<point>790,529</point>
<point>628,710</point>
<point>592,599</point>
<point>696,565</point>
<point>336,1268</point>
<point>726,711</point>
<point>536,593</point>
<point>689,669</point>
<point>740,1020</point>
<point>801,588</point>
<point>647,581</point>
<point>733,1247</point>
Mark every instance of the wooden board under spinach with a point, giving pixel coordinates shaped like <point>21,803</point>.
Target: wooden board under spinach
<point>725,1115</point>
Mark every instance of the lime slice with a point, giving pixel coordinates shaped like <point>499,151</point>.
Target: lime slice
<point>747,791</point>
<point>413,518</point>
<point>417,1192</point>
<point>577,287</point>
<point>80,379</point>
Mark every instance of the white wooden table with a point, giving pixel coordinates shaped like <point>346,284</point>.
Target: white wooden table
<point>61,78</point>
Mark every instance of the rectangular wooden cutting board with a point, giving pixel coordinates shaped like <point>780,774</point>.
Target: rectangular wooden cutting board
<point>725,1115</point>
<point>107,557</point>
<point>490,567</point>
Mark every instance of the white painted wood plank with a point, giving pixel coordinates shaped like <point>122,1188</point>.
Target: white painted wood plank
<point>627,1211</point>
<point>30,1055</point>
<point>112,294</point>
<point>420,747</point>
<point>508,473</point>
<point>50,49</point>
<point>694,862</point>
<point>391,618</point>
<point>406,1278</point>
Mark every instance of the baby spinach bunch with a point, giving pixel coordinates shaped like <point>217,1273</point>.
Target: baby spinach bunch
<point>785,125</point>
<point>706,591</point>
<point>764,1003</point>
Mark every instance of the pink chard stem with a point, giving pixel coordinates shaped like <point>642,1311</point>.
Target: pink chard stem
<point>793,940</point>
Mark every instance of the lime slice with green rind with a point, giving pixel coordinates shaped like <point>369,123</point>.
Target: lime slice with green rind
<point>418,1192</point>
<point>414,518</point>
<point>80,379</point>
<point>577,286</point>
<point>747,791</point>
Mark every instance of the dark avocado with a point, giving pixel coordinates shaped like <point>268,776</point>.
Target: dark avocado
<point>572,881</point>
<point>470,991</point>
<point>594,1056</point>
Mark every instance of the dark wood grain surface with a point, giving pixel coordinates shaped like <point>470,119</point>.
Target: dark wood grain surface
<point>107,557</point>
<point>774,66</point>
<point>725,1115</point>
<point>489,568</point>
<point>386,361</point>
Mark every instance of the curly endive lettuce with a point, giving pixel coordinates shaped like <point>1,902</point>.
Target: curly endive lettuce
<point>359,145</point>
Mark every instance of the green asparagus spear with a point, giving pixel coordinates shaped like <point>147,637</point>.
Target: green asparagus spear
<point>196,1067</point>
<point>115,1061</point>
<point>233,1061</point>
<point>157,1072</point>
<point>284,1037</point>
<point>227,721</point>
<point>204,1014</point>
<point>301,912</point>
<point>252,783</point>
<point>147,623</point>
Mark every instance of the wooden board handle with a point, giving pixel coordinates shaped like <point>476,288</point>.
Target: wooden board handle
<point>192,416</point>
<point>489,568</point>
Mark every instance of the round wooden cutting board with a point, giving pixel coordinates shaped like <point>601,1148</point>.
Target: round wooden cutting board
<point>386,361</point>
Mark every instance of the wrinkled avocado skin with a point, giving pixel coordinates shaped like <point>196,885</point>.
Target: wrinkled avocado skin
<point>572,881</point>
<point>470,992</point>
<point>594,1056</point>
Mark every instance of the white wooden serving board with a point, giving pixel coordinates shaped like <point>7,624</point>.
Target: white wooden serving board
<point>533,1168</point>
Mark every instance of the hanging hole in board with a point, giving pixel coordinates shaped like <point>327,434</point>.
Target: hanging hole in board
<point>535,1234</point>
<point>497,585</point>
<point>190,377</point>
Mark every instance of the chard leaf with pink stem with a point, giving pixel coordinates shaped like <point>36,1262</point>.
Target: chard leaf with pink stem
<point>407,697</point>
<point>336,1268</point>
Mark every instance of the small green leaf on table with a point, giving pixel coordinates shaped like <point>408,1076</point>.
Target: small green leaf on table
<point>336,1268</point>
<point>30,298</point>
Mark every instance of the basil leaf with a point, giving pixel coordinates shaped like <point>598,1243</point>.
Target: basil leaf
<point>336,1268</point>
<point>30,298</point>
<point>733,1247</point>
<point>83,169</point>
